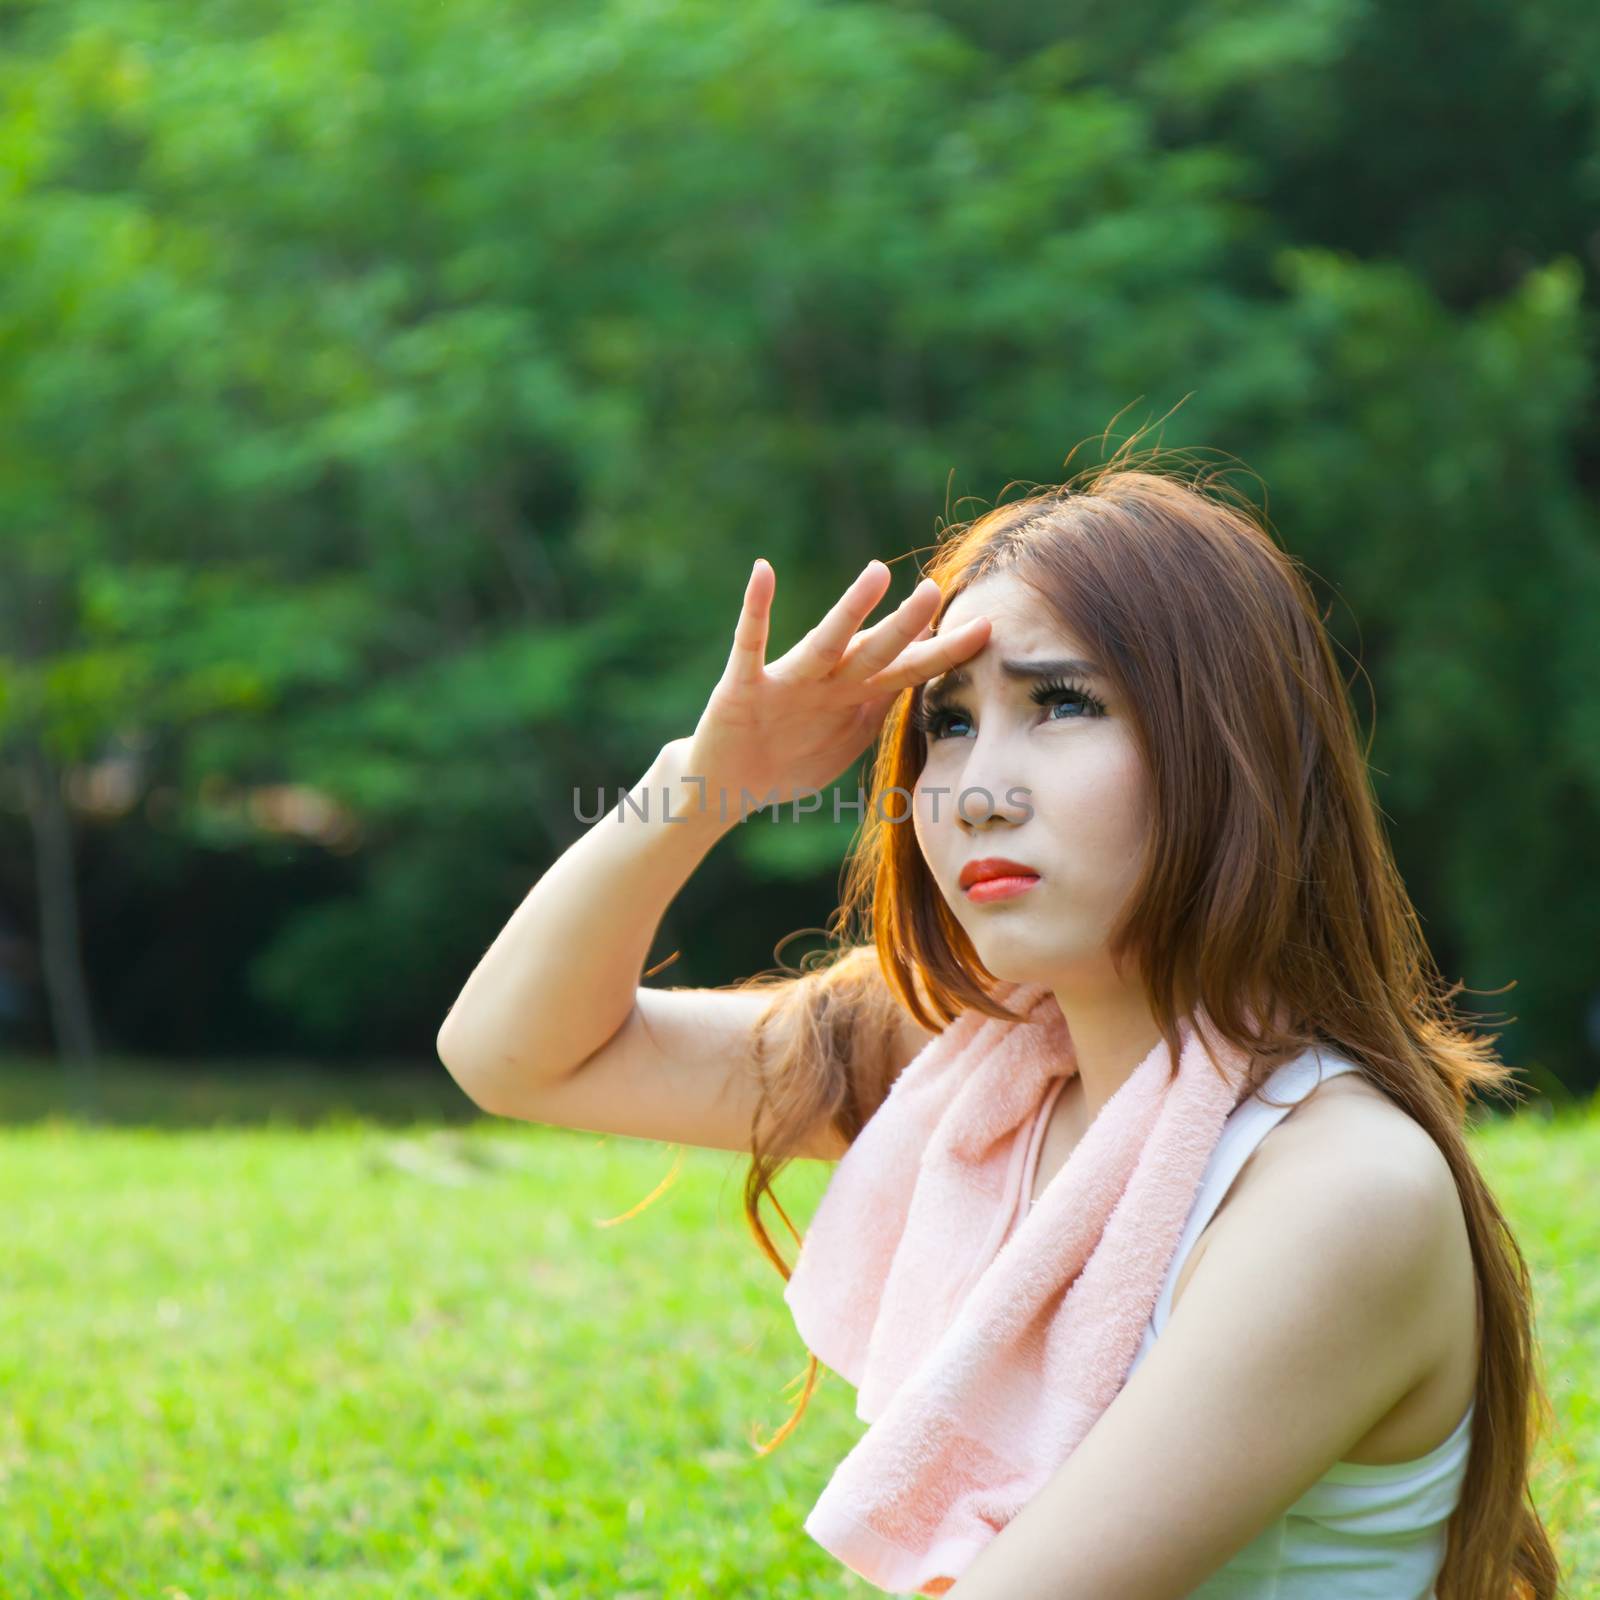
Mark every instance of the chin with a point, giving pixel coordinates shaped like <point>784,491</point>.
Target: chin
<point>1011,965</point>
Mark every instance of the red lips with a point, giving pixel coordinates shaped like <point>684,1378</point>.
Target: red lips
<point>993,867</point>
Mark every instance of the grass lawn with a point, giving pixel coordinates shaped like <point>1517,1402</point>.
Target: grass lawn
<point>276,1338</point>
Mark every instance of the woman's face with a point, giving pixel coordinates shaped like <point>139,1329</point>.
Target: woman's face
<point>1041,769</point>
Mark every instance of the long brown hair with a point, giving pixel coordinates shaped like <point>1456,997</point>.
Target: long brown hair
<point>1268,891</point>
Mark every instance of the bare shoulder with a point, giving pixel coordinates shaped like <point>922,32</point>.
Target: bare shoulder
<point>1348,1157</point>
<point>1348,1122</point>
<point>1343,1156</point>
<point>1353,1187</point>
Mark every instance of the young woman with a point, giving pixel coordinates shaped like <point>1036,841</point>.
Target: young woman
<point>1129,684</point>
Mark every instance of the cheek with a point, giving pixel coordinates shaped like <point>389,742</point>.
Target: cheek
<point>921,819</point>
<point>1098,801</point>
<point>1128,802</point>
<point>930,811</point>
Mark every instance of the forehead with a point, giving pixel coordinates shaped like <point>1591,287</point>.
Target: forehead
<point>1018,621</point>
<point>1025,641</point>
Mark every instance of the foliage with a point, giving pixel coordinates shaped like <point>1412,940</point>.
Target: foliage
<point>394,397</point>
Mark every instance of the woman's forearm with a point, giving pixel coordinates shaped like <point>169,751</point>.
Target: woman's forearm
<point>561,976</point>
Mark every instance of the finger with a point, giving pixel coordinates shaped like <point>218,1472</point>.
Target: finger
<point>872,712</point>
<point>920,661</point>
<point>881,643</point>
<point>821,649</point>
<point>747,658</point>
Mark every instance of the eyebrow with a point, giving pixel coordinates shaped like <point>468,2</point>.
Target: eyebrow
<point>1024,671</point>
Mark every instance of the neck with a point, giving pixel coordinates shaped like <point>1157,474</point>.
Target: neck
<point>1111,1036</point>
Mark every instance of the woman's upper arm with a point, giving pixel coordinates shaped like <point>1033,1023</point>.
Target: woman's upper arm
<point>681,1069</point>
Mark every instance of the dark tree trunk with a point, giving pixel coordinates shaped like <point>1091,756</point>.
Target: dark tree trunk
<point>60,944</point>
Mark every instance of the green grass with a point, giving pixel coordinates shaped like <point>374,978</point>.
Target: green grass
<point>1543,1172</point>
<point>257,1342</point>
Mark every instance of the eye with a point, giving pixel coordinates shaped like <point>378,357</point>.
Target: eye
<point>934,720</point>
<point>1067,694</point>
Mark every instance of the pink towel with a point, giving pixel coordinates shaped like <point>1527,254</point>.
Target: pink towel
<point>981,1360</point>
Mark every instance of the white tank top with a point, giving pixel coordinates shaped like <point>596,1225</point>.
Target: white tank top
<point>1361,1531</point>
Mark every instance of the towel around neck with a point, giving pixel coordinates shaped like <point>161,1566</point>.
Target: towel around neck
<point>982,1358</point>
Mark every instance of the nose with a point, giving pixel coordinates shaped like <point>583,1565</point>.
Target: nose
<point>991,792</point>
<point>978,809</point>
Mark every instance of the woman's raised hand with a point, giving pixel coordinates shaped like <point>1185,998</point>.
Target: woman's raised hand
<point>796,725</point>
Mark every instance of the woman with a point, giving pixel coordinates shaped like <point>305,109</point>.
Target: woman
<point>1119,694</point>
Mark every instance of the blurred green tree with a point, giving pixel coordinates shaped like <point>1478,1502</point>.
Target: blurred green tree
<point>394,397</point>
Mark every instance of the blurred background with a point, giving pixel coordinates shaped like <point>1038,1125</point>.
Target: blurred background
<point>393,397</point>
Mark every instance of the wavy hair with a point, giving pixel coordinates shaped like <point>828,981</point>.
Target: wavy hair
<point>1268,893</point>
